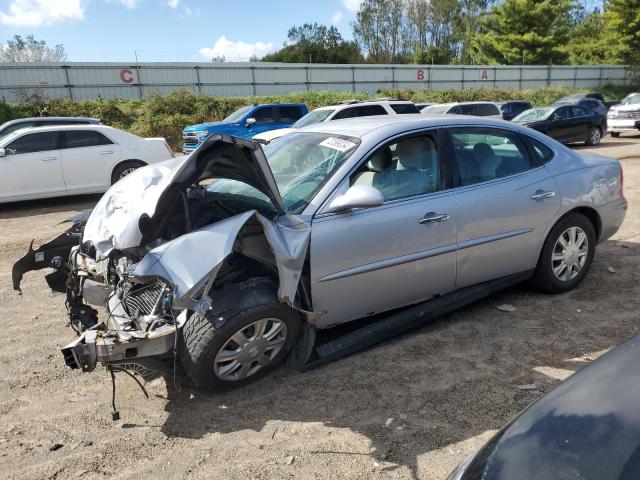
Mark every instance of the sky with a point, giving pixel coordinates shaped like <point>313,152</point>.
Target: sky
<point>168,30</point>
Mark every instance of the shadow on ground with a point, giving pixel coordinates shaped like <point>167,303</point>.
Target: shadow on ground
<point>441,383</point>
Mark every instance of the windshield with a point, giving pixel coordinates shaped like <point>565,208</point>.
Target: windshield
<point>310,118</point>
<point>534,114</point>
<point>436,109</point>
<point>631,99</point>
<point>301,163</point>
<point>237,115</point>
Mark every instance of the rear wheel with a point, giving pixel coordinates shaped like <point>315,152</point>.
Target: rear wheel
<point>249,344</point>
<point>566,255</point>
<point>124,169</point>
<point>594,137</point>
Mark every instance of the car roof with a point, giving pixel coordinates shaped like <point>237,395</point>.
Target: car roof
<point>50,119</point>
<point>364,127</point>
<point>356,103</point>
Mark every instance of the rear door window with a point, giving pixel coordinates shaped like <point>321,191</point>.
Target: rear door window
<point>34,142</point>
<point>84,138</point>
<point>483,154</point>
<point>346,113</point>
<point>402,108</point>
<point>486,109</point>
<point>289,114</point>
<point>368,110</point>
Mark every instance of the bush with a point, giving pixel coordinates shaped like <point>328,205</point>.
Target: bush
<point>166,116</point>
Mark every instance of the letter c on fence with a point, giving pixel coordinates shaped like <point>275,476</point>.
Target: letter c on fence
<point>420,74</point>
<point>126,75</point>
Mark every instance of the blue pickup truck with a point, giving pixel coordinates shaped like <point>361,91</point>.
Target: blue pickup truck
<point>245,123</point>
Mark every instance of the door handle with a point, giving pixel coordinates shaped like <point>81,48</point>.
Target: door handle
<point>541,195</point>
<point>106,152</point>
<point>433,217</point>
<point>48,159</point>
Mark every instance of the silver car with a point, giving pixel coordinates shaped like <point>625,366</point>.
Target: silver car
<point>239,255</point>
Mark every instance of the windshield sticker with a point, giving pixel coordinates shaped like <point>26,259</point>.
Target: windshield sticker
<point>337,144</point>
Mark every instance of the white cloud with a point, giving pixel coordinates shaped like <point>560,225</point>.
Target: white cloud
<point>130,4</point>
<point>235,51</point>
<point>352,5</point>
<point>336,17</point>
<point>34,13</point>
<point>171,3</point>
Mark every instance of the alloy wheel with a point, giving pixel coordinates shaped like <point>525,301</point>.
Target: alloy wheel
<point>569,254</point>
<point>250,349</point>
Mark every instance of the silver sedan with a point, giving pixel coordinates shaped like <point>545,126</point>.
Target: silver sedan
<point>239,254</point>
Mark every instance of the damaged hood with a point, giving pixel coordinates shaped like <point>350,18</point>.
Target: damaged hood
<point>114,222</point>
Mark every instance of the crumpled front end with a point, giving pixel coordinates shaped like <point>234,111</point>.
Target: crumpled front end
<point>158,246</point>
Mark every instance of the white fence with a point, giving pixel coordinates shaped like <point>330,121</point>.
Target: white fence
<point>117,80</point>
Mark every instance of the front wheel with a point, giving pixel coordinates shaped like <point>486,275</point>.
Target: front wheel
<point>250,344</point>
<point>594,137</point>
<point>566,255</point>
<point>123,170</point>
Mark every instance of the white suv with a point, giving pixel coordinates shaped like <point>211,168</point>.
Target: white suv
<point>477,109</point>
<point>346,109</point>
<point>624,117</point>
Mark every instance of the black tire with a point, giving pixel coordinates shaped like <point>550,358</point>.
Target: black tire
<point>124,169</point>
<point>239,306</point>
<point>592,138</point>
<point>615,134</point>
<point>544,277</point>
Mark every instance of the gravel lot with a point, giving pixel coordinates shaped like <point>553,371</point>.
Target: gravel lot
<point>410,408</point>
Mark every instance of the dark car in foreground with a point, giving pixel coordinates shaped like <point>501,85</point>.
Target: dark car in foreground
<point>587,428</point>
<point>13,125</point>
<point>566,123</point>
<point>513,108</point>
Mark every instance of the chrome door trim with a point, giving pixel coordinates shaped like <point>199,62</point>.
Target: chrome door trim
<point>390,262</point>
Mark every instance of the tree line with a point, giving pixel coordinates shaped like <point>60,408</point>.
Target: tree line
<point>506,32</point>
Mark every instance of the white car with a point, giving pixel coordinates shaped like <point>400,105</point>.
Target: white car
<point>61,160</point>
<point>477,109</point>
<point>624,117</point>
<point>347,109</point>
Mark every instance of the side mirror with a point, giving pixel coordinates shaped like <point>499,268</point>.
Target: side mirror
<point>3,152</point>
<point>555,118</point>
<point>357,196</point>
<point>249,122</point>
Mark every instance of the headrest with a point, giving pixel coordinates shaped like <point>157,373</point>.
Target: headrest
<point>381,160</point>
<point>417,153</point>
<point>483,150</point>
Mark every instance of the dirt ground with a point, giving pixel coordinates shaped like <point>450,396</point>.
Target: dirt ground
<point>412,407</point>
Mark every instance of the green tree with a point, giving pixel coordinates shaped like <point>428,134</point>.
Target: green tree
<point>525,32</point>
<point>590,41</point>
<point>29,49</point>
<point>379,30</point>
<point>622,19</point>
<point>315,43</point>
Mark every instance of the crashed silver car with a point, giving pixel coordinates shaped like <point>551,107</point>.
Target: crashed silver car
<point>239,255</point>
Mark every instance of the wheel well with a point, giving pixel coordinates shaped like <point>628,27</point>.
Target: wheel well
<point>119,164</point>
<point>592,215</point>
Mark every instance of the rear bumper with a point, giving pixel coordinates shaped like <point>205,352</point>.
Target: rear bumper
<point>627,125</point>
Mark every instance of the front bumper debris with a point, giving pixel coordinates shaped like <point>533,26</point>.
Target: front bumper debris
<point>107,348</point>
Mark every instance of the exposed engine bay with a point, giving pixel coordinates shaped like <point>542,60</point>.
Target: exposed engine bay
<point>161,241</point>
